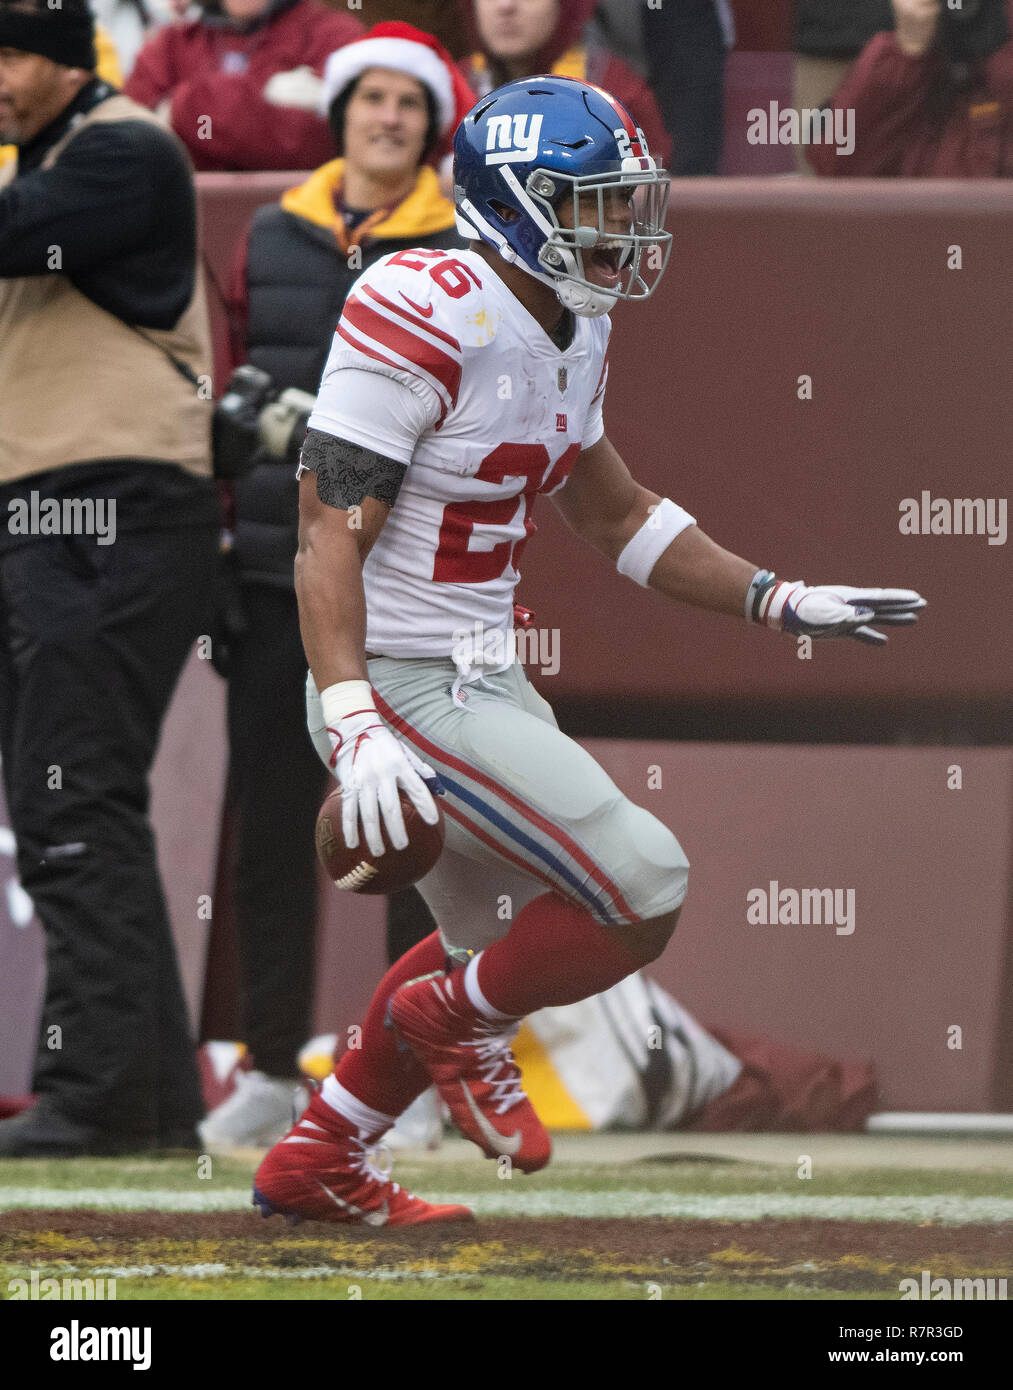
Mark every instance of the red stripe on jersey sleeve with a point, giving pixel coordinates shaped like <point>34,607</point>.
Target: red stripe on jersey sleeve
<point>398,367</point>
<point>411,346</point>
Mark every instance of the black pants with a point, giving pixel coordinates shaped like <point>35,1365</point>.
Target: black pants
<point>277,784</point>
<point>92,641</point>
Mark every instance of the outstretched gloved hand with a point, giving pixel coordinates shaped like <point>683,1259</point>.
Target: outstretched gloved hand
<point>831,610</point>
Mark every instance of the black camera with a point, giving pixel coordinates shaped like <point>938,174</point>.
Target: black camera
<point>972,30</point>
<point>253,418</point>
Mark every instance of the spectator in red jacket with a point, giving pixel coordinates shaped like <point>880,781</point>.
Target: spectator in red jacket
<point>208,77</point>
<point>918,114</point>
<point>521,38</point>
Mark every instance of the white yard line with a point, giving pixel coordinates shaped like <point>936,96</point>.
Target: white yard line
<point>758,1206</point>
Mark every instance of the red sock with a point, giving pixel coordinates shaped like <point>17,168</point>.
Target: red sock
<point>555,953</point>
<point>377,1072</point>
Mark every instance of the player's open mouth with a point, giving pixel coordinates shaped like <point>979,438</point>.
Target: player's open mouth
<point>603,266</point>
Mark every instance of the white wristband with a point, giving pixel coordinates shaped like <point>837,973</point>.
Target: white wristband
<point>643,550</point>
<point>345,697</point>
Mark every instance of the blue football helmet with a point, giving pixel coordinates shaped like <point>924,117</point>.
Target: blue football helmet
<point>541,146</point>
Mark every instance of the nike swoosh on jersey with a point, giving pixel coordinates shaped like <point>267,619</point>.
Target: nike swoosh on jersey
<point>426,313</point>
<point>502,1143</point>
<point>371,1218</point>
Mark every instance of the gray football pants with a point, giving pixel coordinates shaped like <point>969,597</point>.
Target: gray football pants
<point>527,809</point>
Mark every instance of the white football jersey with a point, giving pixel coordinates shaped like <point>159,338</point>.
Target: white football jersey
<point>501,413</point>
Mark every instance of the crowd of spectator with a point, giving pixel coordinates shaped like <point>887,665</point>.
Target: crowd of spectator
<point>929,88</point>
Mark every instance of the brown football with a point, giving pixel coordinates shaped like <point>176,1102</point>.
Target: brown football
<point>359,871</point>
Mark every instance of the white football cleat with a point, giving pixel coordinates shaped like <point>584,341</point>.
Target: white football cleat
<point>258,1113</point>
<point>420,1126</point>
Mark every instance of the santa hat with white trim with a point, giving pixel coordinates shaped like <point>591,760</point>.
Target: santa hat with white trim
<point>405,49</point>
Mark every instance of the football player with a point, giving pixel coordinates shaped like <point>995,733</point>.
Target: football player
<point>459,386</point>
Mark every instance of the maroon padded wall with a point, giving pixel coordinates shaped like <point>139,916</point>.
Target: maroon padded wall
<point>910,364</point>
<point>930,868</point>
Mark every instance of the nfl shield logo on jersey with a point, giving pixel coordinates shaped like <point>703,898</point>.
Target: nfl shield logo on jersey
<point>561,380</point>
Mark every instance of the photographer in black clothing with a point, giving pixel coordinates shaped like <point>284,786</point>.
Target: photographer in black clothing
<point>107,561</point>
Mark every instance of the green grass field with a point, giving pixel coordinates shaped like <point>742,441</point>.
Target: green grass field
<point>606,1220</point>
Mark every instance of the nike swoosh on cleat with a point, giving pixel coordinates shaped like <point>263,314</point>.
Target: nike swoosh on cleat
<point>502,1143</point>
<point>426,313</point>
<point>380,1217</point>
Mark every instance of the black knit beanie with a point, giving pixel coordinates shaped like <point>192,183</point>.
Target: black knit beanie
<point>62,30</point>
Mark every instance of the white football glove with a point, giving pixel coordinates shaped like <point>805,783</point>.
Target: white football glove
<point>371,764</point>
<point>830,610</point>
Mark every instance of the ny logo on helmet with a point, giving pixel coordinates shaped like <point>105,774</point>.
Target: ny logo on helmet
<point>512,139</point>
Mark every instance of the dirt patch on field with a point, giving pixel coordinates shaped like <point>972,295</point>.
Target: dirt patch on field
<point>821,1255</point>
